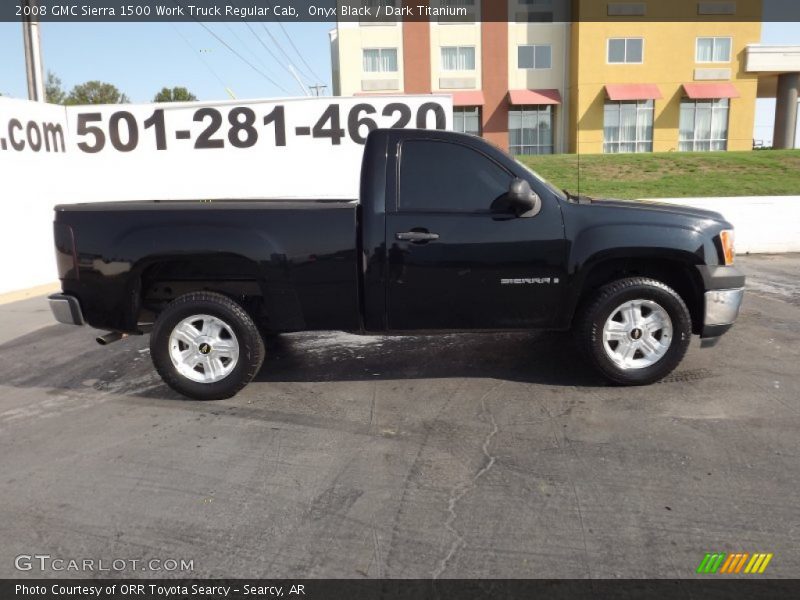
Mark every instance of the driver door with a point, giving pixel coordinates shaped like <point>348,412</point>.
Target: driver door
<point>452,262</point>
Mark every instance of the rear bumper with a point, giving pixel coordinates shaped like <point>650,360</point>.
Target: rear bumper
<point>66,309</point>
<point>722,300</point>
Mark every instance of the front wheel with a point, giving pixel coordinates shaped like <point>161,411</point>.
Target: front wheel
<point>634,331</point>
<point>205,346</point>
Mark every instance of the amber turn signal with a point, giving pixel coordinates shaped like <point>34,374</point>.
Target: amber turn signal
<point>728,249</point>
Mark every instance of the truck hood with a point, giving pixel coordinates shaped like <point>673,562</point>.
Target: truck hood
<point>654,207</point>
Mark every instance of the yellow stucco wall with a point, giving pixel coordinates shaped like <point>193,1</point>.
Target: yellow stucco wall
<point>669,62</point>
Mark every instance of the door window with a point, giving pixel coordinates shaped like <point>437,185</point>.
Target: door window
<point>445,177</point>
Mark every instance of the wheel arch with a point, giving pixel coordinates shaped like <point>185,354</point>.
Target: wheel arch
<point>677,270</point>
<point>161,279</point>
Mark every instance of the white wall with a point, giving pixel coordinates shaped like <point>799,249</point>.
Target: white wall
<point>765,224</point>
<point>32,182</point>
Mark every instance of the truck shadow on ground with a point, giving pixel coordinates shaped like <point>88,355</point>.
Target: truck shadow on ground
<point>549,358</point>
<point>64,359</point>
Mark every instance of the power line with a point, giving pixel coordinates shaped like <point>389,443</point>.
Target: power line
<point>247,47</point>
<point>299,81</point>
<point>200,56</point>
<point>279,46</point>
<point>302,58</point>
<point>274,56</point>
<point>276,42</point>
<point>310,71</point>
<point>242,58</point>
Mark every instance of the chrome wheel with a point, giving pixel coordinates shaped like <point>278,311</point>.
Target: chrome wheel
<point>637,334</point>
<point>204,348</point>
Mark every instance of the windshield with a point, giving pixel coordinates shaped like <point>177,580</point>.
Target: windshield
<point>544,181</point>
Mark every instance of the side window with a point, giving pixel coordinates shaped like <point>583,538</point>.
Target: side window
<point>445,177</point>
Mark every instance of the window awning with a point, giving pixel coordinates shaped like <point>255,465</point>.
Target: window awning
<point>471,98</point>
<point>633,91</point>
<point>710,91</point>
<point>535,97</point>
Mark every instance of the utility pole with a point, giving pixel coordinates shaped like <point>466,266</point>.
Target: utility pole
<point>318,89</point>
<point>33,54</point>
<point>294,74</point>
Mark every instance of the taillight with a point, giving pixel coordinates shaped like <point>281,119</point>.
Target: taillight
<point>726,238</point>
<point>66,254</point>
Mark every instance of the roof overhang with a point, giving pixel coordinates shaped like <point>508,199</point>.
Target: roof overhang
<point>772,59</point>
<point>518,97</point>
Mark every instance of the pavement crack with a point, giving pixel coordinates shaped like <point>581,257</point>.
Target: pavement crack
<point>372,407</point>
<point>407,482</point>
<point>459,491</point>
<point>376,553</point>
<point>583,527</point>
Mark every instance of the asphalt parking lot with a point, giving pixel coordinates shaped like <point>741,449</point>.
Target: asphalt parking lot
<point>493,455</point>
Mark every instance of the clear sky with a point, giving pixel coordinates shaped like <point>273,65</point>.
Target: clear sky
<point>141,58</point>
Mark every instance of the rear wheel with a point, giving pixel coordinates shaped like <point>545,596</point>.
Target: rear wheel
<point>205,346</point>
<point>634,331</point>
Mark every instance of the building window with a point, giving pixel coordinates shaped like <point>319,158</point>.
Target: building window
<point>704,125</point>
<point>380,60</point>
<point>534,11</point>
<point>467,5</point>
<point>714,49</point>
<point>626,50</point>
<point>535,57</point>
<point>467,119</point>
<point>628,126</point>
<point>458,58</point>
<point>530,129</point>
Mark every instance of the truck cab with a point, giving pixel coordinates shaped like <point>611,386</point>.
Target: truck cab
<point>449,233</point>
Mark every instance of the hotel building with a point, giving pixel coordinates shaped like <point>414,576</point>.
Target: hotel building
<point>587,76</point>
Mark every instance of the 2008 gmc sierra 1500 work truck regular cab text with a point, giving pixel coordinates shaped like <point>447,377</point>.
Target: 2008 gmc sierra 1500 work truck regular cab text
<point>450,234</point>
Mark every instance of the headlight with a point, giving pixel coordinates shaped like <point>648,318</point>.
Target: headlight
<point>726,238</point>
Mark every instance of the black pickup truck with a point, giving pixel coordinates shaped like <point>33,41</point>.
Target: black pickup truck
<point>450,234</point>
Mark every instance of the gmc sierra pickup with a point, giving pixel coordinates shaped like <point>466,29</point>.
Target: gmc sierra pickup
<point>450,234</point>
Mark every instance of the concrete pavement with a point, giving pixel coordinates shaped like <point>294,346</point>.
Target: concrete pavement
<point>494,455</point>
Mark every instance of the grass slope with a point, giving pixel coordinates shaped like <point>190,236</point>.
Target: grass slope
<point>673,174</point>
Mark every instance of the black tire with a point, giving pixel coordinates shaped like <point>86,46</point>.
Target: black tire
<point>599,308</point>
<point>250,345</point>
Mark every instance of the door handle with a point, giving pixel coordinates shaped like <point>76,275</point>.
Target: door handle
<point>416,237</point>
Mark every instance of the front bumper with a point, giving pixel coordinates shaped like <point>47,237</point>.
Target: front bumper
<point>66,309</point>
<point>723,298</point>
<point>722,306</point>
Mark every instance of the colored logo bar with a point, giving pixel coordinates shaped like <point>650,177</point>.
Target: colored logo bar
<point>734,563</point>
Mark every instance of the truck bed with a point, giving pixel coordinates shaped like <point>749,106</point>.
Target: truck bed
<point>299,255</point>
<point>228,203</point>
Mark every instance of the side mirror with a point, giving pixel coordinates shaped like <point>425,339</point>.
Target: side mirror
<point>523,201</point>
